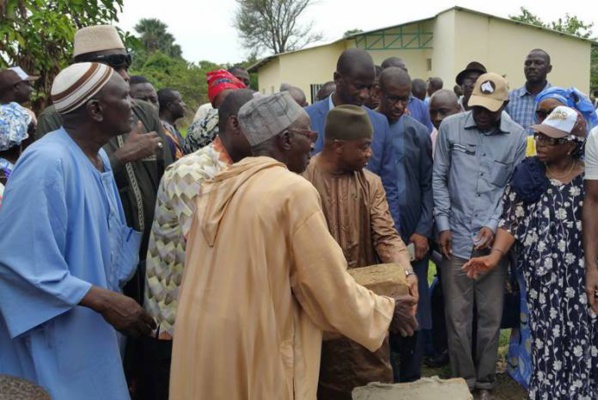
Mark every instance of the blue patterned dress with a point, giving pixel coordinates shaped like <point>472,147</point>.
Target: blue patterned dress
<point>564,333</point>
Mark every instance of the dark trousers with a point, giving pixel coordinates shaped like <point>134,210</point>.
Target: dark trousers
<point>408,353</point>
<point>156,356</point>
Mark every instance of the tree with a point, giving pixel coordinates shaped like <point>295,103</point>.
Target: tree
<point>352,32</point>
<point>571,25</point>
<point>155,37</point>
<point>274,25</point>
<point>38,35</point>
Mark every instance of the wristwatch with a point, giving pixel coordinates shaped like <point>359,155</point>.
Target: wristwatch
<point>409,272</point>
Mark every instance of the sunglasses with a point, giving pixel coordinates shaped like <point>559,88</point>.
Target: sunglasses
<point>541,138</point>
<point>541,114</point>
<point>116,61</point>
<point>308,133</point>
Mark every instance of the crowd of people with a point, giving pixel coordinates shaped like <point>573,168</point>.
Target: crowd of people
<point>141,263</point>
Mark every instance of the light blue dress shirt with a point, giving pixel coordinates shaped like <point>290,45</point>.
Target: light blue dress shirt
<point>471,171</point>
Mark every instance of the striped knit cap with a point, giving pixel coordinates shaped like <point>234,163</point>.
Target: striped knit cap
<point>78,83</point>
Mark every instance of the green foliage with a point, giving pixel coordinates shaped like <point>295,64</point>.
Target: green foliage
<point>159,59</point>
<point>527,17</point>
<point>273,25</point>
<point>571,25</point>
<point>164,71</point>
<point>38,35</point>
<point>352,32</point>
<point>155,37</point>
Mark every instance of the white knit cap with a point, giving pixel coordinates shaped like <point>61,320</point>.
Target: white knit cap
<point>96,38</point>
<point>76,84</point>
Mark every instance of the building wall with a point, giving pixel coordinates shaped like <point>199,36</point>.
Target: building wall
<point>502,47</point>
<point>269,77</point>
<point>443,55</point>
<point>459,36</point>
<point>310,67</point>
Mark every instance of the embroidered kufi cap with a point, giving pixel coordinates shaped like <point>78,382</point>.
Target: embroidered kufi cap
<point>265,117</point>
<point>76,84</point>
<point>347,122</point>
<point>96,38</point>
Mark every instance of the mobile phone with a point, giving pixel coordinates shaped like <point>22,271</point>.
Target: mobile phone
<point>411,251</point>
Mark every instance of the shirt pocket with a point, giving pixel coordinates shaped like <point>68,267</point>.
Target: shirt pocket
<point>499,173</point>
<point>124,256</point>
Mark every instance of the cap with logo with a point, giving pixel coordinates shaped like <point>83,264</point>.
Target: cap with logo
<point>490,91</point>
<point>562,122</point>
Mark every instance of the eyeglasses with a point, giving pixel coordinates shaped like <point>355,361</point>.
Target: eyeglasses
<point>541,138</point>
<point>541,114</point>
<point>116,61</point>
<point>308,133</point>
<point>392,100</point>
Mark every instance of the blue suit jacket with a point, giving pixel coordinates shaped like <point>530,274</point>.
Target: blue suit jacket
<point>413,147</point>
<point>383,158</point>
<point>420,111</point>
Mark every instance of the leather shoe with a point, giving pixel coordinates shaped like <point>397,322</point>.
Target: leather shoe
<point>485,394</point>
<point>438,361</point>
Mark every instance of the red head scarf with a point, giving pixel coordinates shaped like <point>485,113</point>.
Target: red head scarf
<point>221,80</point>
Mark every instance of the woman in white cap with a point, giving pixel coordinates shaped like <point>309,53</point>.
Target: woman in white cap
<point>542,211</point>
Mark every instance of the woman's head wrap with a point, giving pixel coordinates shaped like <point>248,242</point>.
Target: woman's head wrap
<point>14,125</point>
<point>573,98</point>
<point>221,80</point>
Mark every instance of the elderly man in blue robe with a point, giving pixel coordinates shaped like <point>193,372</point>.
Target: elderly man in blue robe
<point>66,251</point>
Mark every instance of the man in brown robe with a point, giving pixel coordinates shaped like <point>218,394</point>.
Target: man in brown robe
<point>354,203</point>
<point>263,277</point>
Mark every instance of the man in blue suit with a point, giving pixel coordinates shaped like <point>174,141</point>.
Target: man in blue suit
<point>413,147</point>
<point>418,109</point>
<point>354,77</point>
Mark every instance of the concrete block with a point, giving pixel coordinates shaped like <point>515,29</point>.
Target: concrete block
<point>382,279</point>
<point>424,389</point>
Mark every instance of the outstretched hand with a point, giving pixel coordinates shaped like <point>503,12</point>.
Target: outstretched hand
<point>403,320</point>
<point>127,317</point>
<point>122,312</point>
<point>139,145</point>
<point>478,265</point>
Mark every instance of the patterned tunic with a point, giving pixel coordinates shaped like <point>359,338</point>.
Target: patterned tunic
<point>201,132</point>
<point>564,332</point>
<point>174,208</point>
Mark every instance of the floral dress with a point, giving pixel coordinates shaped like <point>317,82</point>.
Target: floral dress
<point>564,331</point>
